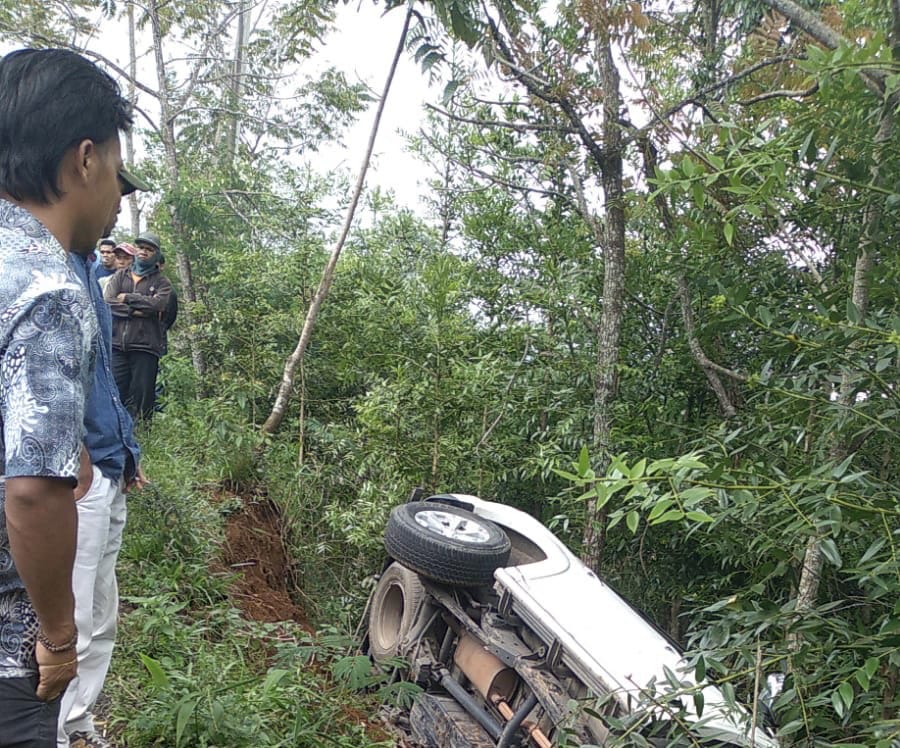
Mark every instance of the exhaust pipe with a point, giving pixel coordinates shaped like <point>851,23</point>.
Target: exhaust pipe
<point>496,683</point>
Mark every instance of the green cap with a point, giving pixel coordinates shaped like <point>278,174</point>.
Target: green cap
<point>131,182</point>
<point>148,237</point>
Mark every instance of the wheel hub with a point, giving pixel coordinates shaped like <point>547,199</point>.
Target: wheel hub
<point>451,526</point>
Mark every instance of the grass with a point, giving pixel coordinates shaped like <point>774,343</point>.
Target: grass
<point>188,669</point>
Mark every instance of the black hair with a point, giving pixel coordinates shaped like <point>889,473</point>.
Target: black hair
<point>51,100</point>
<point>107,240</point>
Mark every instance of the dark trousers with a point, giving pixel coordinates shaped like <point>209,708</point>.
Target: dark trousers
<point>135,375</point>
<point>26,721</point>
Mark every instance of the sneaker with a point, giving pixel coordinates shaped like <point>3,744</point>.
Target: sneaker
<point>88,740</point>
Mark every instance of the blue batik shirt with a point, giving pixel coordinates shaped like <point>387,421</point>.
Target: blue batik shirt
<point>109,430</point>
<point>48,338</point>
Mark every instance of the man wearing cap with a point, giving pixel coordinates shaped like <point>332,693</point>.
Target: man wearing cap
<point>138,297</point>
<point>123,256</point>
<point>58,195</point>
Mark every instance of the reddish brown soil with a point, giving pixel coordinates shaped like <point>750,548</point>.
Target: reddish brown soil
<point>254,549</point>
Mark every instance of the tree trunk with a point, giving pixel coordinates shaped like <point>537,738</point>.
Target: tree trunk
<point>240,43</point>
<point>279,408</point>
<point>710,368</point>
<point>813,561</point>
<point>129,135</point>
<point>609,330</point>
<point>182,261</point>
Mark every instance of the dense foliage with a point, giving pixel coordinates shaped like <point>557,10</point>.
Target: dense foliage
<point>741,485</point>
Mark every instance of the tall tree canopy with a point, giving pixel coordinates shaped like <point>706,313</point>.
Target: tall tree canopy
<point>650,296</point>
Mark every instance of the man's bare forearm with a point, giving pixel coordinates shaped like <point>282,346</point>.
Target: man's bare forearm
<point>42,522</point>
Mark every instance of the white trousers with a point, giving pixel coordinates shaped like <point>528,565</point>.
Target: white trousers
<point>101,520</point>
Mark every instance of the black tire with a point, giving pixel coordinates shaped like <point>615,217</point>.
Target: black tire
<point>468,559</point>
<point>393,610</point>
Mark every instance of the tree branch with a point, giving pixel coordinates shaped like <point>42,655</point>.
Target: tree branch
<point>517,126</point>
<point>211,38</point>
<point>695,98</point>
<point>506,392</point>
<point>99,57</point>
<point>541,89</point>
<point>825,35</point>
<point>783,94</point>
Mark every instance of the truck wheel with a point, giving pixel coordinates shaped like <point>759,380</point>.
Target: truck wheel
<point>396,603</point>
<point>446,544</point>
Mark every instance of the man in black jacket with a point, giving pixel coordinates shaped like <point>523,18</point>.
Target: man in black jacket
<point>137,297</point>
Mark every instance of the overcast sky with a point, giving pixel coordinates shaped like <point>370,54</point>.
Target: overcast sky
<point>362,46</point>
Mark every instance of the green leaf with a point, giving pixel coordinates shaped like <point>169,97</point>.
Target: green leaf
<point>830,551</point>
<point>689,461</point>
<point>846,692</point>
<point>853,312</point>
<point>637,471</point>
<point>632,520</point>
<point>449,90</point>
<point>872,550</point>
<point>791,727</point>
<point>837,703</point>
<point>694,494</point>
<point>157,675</point>
<point>583,461</point>
<point>659,508</point>
<point>463,27</point>
<point>698,515</point>
<point>658,465</point>
<point>185,711</point>
<point>700,670</point>
<point>672,516</point>
<point>839,470</point>
<point>698,702</point>
<point>728,230</point>
<point>273,678</point>
<point>699,195</point>
<point>431,59</point>
<point>604,494</point>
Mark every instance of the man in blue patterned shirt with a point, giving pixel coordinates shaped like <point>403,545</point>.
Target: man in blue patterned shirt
<point>60,189</point>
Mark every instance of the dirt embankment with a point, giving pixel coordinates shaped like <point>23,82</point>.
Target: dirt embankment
<point>255,550</point>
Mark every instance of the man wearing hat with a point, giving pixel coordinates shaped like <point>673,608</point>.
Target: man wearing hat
<point>138,297</point>
<point>60,188</point>
<point>123,255</point>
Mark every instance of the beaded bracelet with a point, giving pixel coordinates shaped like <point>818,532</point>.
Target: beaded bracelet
<point>57,648</point>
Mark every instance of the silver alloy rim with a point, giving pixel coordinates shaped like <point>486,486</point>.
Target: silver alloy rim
<point>452,526</point>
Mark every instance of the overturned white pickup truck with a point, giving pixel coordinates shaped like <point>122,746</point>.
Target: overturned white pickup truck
<point>515,642</point>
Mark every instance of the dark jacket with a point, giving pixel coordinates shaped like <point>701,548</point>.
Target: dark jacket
<point>136,321</point>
